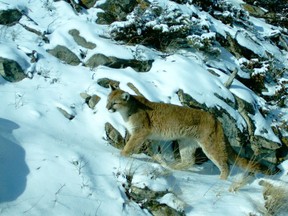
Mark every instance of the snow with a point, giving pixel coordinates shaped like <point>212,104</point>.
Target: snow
<point>50,165</point>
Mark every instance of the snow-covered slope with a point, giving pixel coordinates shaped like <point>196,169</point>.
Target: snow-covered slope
<point>50,165</point>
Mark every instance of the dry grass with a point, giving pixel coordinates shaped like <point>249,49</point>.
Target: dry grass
<point>276,198</point>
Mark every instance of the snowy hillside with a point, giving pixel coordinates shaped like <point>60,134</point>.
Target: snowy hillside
<point>55,157</point>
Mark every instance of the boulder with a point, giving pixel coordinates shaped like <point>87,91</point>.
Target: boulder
<point>65,55</point>
<point>93,101</point>
<point>81,41</point>
<point>10,70</point>
<point>114,137</point>
<point>151,200</point>
<point>114,62</point>
<point>9,17</point>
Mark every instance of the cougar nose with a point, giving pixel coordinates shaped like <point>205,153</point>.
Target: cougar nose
<point>109,108</point>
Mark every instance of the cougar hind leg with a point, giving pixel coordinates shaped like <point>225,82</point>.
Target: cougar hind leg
<point>217,155</point>
<point>187,148</point>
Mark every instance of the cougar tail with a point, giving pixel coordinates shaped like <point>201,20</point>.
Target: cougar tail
<point>250,165</point>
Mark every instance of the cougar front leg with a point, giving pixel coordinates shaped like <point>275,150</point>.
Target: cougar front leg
<point>134,143</point>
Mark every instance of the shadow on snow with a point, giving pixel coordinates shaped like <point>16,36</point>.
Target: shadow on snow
<point>13,168</point>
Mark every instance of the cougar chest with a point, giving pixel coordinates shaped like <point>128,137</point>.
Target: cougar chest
<point>130,127</point>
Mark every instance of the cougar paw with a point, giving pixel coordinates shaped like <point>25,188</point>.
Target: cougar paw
<point>124,153</point>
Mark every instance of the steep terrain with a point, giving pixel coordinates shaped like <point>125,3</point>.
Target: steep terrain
<point>59,146</point>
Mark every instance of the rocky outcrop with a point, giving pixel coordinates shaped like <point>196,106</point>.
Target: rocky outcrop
<point>10,70</point>
<point>246,143</point>
<point>114,62</point>
<point>274,12</point>
<point>64,54</point>
<point>10,17</point>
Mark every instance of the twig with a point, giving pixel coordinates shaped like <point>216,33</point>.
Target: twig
<point>33,205</point>
<point>29,18</point>
<point>75,6</point>
<point>4,3</point>
<point>58,191</point>
<point>44,38</point>
<point>229,82</point>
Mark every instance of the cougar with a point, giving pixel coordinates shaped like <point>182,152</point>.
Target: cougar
<point>192,128</point>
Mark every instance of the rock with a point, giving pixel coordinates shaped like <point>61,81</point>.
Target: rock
<point>115,10</point>
<point>140,66</point>
<point>10,70</point>
<point>85,96</point>
<point>254,10</point>
<point>105,82</point>
<point>114,62</point>
<point>65,55</point>
<point>282,153</point>
<point>88,3</point>
<point>9,17</point>
<point>98,59</point>
<point>93,101</point>
<point>66,113</point>
<point>235,48</point>
<point>81,41</point>
<point>114,137</point>
<point>148,199</point>
<point>265,143</point>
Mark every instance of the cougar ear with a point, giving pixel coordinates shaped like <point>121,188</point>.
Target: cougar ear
<point>125,96</point>
<point>112,87</point>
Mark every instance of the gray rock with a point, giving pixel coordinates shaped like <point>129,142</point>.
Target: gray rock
<point>114,62</point>
<point>65,55</point>
<point>105,82</point>
<point>98,59</point>
<point>66,113</point>
<point>10,70</point>
<point>81,41</point>
<point>114,137</point>
<point>9,17</point>
<point>149,200</point>
<point>93,101</point>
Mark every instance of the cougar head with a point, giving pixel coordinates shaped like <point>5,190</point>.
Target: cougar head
<point>117,100</point>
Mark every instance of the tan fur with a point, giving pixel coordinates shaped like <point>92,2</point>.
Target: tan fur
<point>190,127</point>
